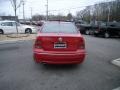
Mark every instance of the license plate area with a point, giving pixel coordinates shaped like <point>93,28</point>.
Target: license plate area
<point>60,45</point>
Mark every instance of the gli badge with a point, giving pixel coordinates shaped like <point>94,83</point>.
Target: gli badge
<point>60,39</point>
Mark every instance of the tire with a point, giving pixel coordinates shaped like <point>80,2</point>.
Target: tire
<point>1,31</point>
<point>106,35</point>
<point>34,59</point>
<point>28,31</point>
<point>90,32</point>
<point>96,35</point>
<point>87,32</point>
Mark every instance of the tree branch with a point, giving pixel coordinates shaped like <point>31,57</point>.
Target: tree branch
<point>19,4</point>
<point>12,4</point>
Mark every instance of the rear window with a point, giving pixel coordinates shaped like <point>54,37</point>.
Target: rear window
<point>59,28</point>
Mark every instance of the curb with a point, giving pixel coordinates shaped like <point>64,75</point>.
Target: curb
<point>13,41</point>
<point>116,62</point>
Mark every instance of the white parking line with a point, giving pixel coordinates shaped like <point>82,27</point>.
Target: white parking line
<point>116,62</point>
<point>117,88</point>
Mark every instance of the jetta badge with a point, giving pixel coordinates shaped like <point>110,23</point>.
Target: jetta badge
<point>60,39</point>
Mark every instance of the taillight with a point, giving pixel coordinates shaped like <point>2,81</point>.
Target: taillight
<point>82,44</point>
<point>38,44</point>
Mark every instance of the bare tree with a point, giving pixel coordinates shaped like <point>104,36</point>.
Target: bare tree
<point>16,4</point>
<point>105,11</point>
<point>69,16</point>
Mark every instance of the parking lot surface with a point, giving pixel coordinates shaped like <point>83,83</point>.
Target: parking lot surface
<point>18,71</point>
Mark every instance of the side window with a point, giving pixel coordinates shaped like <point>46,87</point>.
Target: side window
<point>18,24</point>
<point>102,24</point>
<point>7,24</point>
<point>14,24</point>
<point>3,24</point>
<point>10,24</point>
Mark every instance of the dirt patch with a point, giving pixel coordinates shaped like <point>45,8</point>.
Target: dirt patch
<point>17,37</point>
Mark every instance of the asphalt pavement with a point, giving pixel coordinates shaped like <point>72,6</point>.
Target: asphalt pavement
<point>18,71</point>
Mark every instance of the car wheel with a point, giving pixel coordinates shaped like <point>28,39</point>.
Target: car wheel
<point>106,35</point>
<point>96,35</point>
<point>1,32</point>
<point>28,31</point>
<point>87,32</point>
<point>35,60</point>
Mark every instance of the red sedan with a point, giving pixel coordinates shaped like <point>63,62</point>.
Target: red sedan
<point>59,43</point>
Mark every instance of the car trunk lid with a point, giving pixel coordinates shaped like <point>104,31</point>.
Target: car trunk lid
<point>60,42</point>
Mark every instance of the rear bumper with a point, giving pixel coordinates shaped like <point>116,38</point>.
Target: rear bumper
<point>60,57</point>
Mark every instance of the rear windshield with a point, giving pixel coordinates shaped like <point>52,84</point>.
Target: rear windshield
<point>59,28</point>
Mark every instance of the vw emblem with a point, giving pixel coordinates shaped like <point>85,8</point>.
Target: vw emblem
<point>60,39</point>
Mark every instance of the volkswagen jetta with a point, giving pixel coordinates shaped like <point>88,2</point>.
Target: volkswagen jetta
<point>59,43</point>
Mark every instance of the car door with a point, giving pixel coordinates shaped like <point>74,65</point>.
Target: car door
<point>8,27</point>
<point>22,28</point>
<point>18,27</point>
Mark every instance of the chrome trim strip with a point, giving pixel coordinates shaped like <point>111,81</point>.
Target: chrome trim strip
<point>58,54</point>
